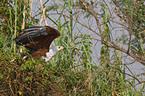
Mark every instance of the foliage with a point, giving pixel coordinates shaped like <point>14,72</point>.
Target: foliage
<point>134,11</point>
<point>72,71</point>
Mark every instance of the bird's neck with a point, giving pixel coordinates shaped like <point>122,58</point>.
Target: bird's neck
<point>49,54</point>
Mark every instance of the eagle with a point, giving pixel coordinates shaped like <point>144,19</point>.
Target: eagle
<point>37,41</point>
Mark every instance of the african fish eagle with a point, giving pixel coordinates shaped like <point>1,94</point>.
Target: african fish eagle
<point>37,40</point>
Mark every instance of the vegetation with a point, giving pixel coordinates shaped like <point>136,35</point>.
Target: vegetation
<point>116,28</point>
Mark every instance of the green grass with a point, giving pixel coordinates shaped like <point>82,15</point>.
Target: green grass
<point>71,72</point>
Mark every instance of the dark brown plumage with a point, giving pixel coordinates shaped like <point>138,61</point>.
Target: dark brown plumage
<point>37,39</point>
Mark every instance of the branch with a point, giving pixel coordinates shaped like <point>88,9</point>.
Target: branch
<point>109,43</point>
<point>136,57</point>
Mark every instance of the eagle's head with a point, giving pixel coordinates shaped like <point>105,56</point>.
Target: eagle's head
<point>52,52</point>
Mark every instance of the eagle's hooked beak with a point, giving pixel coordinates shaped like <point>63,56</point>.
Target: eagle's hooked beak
<point>61,47</point>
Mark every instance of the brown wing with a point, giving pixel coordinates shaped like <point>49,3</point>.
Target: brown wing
<point>37,39</point>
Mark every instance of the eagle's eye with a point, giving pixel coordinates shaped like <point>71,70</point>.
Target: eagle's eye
<point>60,47</point>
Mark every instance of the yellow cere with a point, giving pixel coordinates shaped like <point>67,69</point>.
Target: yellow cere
<point>61,47</point>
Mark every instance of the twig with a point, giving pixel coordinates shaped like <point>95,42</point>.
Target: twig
<point>43,10</point>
